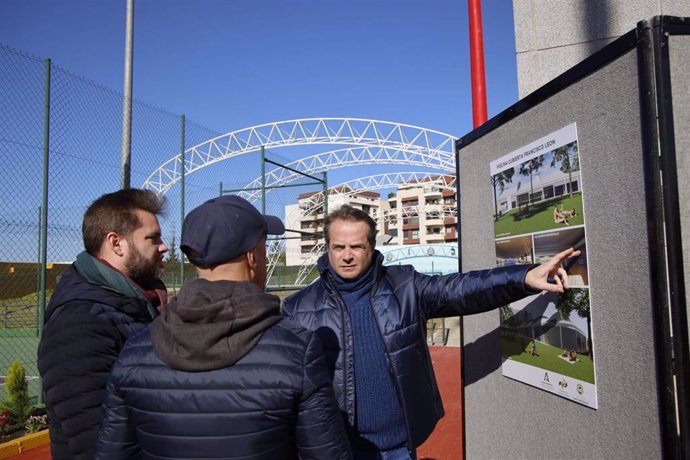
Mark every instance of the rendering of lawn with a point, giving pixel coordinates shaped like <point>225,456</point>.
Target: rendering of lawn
<point>539,216</point>
<point>547,357</point>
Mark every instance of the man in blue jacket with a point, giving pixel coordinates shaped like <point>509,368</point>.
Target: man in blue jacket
<point>110,292</point>
<point>372,323</point>
<point>220,373</point>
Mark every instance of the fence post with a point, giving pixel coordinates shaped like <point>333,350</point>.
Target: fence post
<point>44,212</point>
<point>182,193</point>
<point>325,196</point>
<point>263,180</point>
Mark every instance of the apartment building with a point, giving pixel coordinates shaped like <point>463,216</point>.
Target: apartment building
<point>304,220</point>
<point>422,212</point>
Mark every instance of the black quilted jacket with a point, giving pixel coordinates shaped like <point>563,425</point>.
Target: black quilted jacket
<point>402,300</point>
<point>85,329</point>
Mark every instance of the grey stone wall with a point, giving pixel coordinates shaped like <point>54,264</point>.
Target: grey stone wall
<point>551,36</point>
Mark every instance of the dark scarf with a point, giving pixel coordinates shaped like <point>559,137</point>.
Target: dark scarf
<point>102,274</point>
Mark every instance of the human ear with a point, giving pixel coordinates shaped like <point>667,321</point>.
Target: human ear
<point>250,258</point>
<point>114,243</point>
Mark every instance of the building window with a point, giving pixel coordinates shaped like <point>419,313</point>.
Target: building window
<point>415,234</point>
<point>449,230</point>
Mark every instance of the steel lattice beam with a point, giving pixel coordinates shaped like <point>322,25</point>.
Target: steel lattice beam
<point>345,131</point>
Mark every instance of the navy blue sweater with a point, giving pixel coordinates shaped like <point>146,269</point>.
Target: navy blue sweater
<point>379,416</point>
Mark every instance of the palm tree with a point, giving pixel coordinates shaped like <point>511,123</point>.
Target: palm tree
<point>527,169</point>
<point>500,180</point>
<point>570,162</point>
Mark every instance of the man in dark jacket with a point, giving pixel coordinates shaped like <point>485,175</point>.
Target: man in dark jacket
<point>372,323</point>
<point>220,374</point>
<point>110,292</point>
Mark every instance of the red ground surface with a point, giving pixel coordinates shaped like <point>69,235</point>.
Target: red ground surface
<point>444,443</point>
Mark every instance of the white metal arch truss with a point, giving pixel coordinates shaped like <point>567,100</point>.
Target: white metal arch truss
<point>343,158</point>
<point>375,182</point>
<point>422,250</point>
<point>308,131</point>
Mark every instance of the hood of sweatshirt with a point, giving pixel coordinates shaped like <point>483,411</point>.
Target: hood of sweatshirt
<point>212,324</point>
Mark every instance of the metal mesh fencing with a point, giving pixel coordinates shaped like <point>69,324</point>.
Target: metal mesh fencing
<point>84,162</point>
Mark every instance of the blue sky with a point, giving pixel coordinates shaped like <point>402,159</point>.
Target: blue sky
<point>233,64</point>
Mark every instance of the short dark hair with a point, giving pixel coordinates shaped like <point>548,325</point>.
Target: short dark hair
<point>116,212</point>
<point>347,212</point>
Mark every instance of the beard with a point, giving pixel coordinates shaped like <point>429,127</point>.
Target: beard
<point>141,270</point>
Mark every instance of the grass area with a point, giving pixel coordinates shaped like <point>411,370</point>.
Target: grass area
<point>20,312</point>
<point>538,217</point>
<point>20,345</point>
<point>515,347</point>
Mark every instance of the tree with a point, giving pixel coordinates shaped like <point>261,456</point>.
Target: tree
<point>500,180</point>
<point>577,300</point>
<point>570,162</point>
<point>528,168</point>
<point>17,390</point>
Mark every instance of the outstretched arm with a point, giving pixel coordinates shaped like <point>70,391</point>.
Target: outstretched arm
<point>551,276</point>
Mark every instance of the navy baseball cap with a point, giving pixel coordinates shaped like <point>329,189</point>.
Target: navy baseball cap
<point>223,229</point>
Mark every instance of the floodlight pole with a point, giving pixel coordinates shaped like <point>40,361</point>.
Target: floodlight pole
<point>127,101</point>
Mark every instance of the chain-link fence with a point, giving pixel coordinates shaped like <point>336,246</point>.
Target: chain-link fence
<point>73,158</point>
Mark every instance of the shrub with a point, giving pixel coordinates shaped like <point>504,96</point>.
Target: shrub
<point>4,422</point>
<point>17,391</point>
<point>36,423</point>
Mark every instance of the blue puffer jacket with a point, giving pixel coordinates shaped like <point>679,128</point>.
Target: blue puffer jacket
<point>402,300</point>
<point>86,326</point>
<point>220,374</point>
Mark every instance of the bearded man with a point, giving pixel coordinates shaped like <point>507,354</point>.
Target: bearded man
<point>109,293</point>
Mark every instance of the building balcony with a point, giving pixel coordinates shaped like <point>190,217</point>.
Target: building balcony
<point>435,237</point>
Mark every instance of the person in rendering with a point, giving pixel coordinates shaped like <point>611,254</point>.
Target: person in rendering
<point>558,216</point>
<point>371,320</point>
<point>220,374</point>
<point>110,292</point>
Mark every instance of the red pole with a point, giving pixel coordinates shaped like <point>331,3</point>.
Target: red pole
<point>477,63</point>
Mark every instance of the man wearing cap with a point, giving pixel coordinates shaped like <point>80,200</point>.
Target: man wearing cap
<point>220,374</point>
